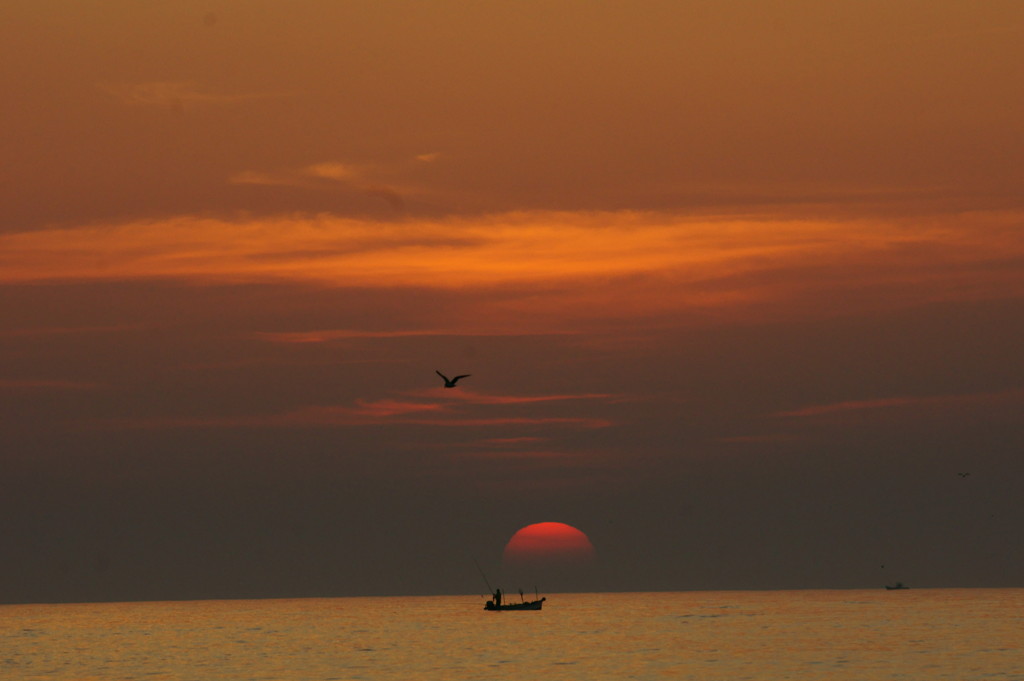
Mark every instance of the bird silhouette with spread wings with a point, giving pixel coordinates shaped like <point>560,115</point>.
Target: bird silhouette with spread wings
<point>450,382</point>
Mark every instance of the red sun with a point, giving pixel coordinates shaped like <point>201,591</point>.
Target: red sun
<point>548,545</point>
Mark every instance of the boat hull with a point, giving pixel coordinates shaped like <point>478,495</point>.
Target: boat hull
<point>529,605</point>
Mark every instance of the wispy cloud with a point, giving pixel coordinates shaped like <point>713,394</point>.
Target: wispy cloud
<point>379,180</point>
<point>472,397</point>
<point>979,33</point>
<point>42,331</point>
<point>46,384</point>
<point>767,438</point>
<point>256,177</point>
<point>342,416</point>
<point>505,442</point>
<point>327,335</point>
<point>177,95</point>
<point>885,403</point>
<point>330,335</point>
<point>520,455</point>
<point>414,409</point>
<point>323,174</point>
<point>362,412</point>
<point>334,170</point>
<point>524,448</point>
<point>569,421</point>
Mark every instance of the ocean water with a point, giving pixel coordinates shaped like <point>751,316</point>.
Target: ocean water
<point>917,635</point>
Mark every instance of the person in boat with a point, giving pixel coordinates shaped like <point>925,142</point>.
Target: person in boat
<point>497,596</point>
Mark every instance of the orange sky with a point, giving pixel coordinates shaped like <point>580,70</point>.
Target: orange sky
<point>697,256</point>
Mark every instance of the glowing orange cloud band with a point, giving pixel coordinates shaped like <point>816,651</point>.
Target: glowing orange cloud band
<point>654,262</point>
<point>505,248</point>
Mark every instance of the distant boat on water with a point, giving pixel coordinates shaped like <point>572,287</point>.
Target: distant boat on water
<point>525,605</point>
<point>496,604</point>
<point>896,586</point>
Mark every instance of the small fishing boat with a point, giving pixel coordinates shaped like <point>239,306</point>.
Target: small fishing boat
<point>525,605</point>
<point>496,604</point>
<point>896,586</point>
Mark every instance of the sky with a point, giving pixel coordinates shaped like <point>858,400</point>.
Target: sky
<point>740,287</point>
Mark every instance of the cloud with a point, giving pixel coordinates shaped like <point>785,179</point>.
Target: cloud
<point>43,331</point>
<point>176,95</point>
<point>388,194</point>
<point>333,170</point>
<point>902,402</point>
<point>345,416</point>
<point>471,397</point>
<point>523,448</point>
<point>521,455</point>
<point>571,421</point>
<point>982,32</point>
<point>588,265</point>
<point>768,438</point>
<point>323,175</point>
<point>266,179</point>
<point>45,384</point>
<point>424,408</point>
<point>508,441</point>
<point>362,412</point>
<point>377,180</point>
<point>329,335</point>
<point>860,405</point>
<point>418,408</point>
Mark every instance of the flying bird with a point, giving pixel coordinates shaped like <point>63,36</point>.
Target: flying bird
<point>450,382</point>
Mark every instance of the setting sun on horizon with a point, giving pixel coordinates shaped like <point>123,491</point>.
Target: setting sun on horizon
<point>548,543</point>
<point>552,556</point>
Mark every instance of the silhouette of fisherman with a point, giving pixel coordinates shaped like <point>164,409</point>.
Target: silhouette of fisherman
<point>497,597</point>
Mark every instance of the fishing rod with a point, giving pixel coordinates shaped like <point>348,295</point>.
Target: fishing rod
<point>489,589</point>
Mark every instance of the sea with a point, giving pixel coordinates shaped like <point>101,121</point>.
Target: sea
<point>862,635</point>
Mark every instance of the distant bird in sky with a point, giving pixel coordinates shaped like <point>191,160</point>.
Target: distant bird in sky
<point>450,382</point>
<point>963,475</point>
